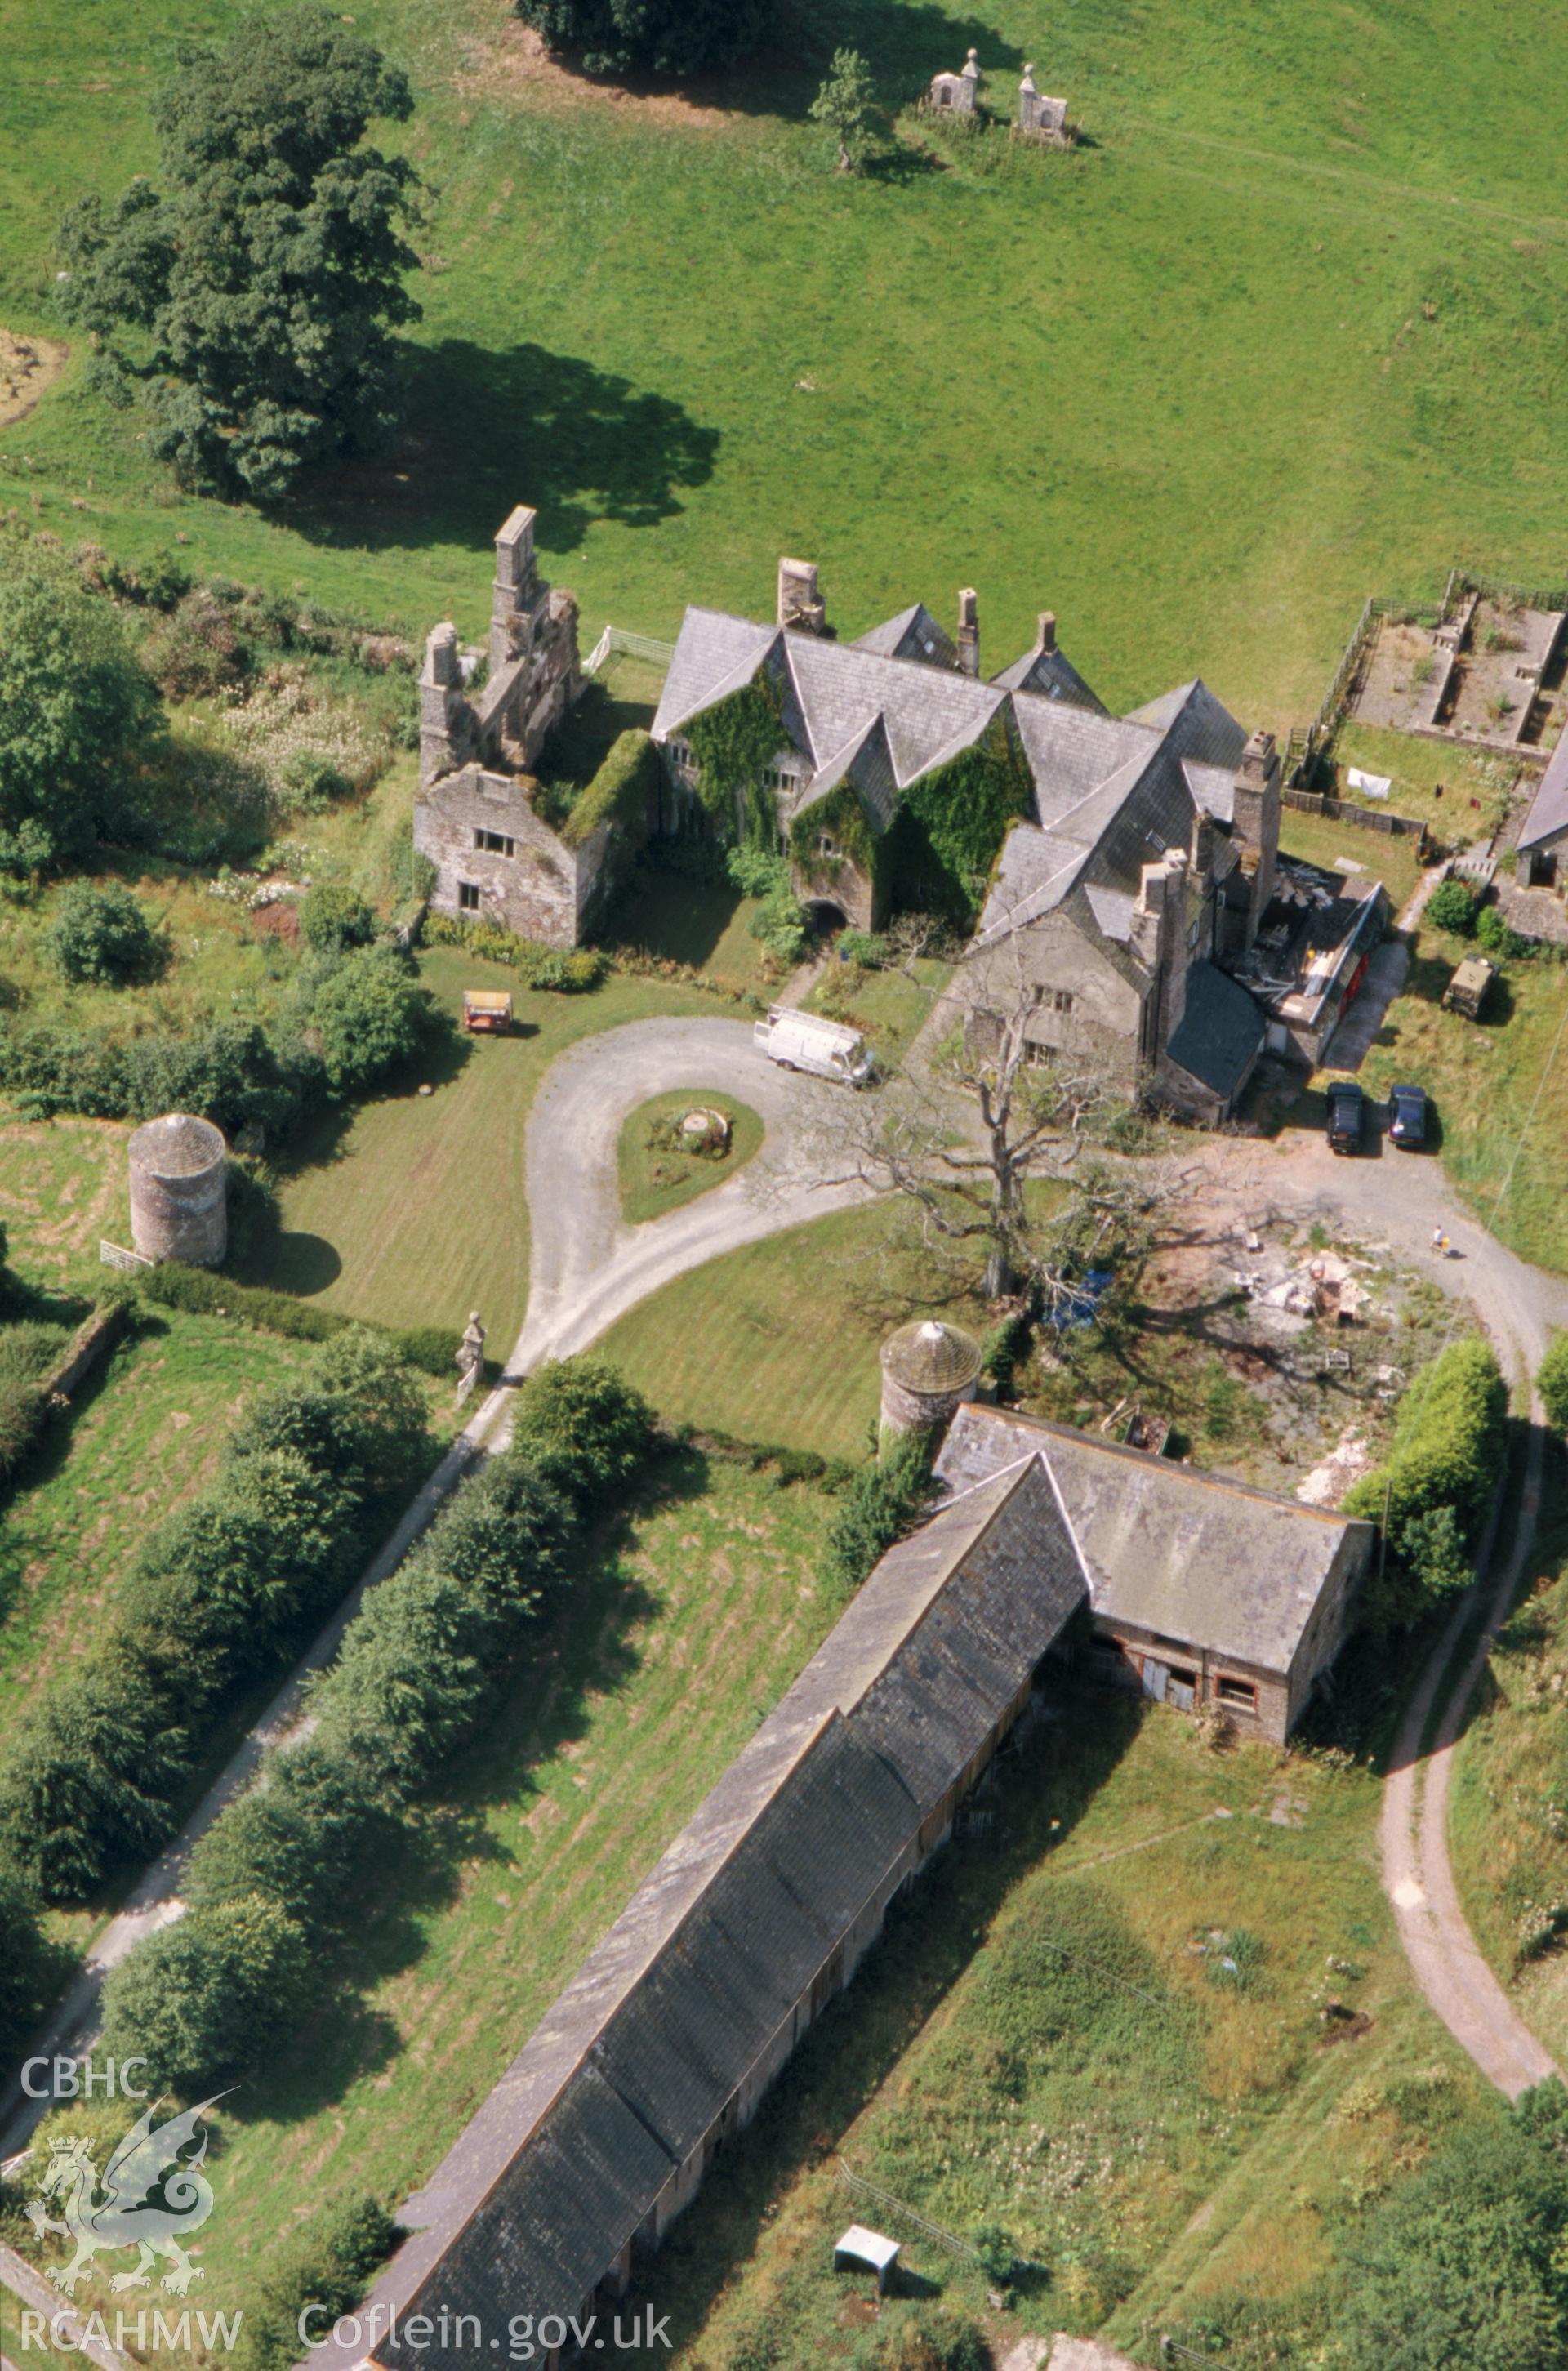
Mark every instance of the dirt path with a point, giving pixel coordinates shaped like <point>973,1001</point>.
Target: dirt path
<point>1400,1200</point>
<point>586,1269</point>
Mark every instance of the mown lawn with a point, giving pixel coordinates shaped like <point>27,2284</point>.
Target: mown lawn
<point>1381,855</point>
<point>1047,2039</point>
<point>677,1638</point>
<point>145,1437</point>
<point>656,1175</point>
<point>671,326</point>
<point>779,1342</point>
<point>411,1209</point>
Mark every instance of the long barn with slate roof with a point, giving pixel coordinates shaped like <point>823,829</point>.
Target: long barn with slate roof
<point>1139,860</point>
<point>600,2132</point>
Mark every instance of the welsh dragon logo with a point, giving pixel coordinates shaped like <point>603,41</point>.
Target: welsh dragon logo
<point>153,2196</point>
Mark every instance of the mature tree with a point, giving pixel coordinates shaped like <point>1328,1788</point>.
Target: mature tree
<point>582,1427</point>
<point>963,1136</point>
<point>210,1994</point>
<point>844,105</point>
<point>1467,2260</point>
<point>101,935</point>
<point>260,283</point>
<point>75,706</point>
<point>672,37</point>
<point>368,1015</point>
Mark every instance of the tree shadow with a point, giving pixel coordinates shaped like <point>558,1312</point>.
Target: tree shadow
<point>487,426</point>
<point>904,41</point>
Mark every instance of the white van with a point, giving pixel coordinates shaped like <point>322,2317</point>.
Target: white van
<point>802,1041</point>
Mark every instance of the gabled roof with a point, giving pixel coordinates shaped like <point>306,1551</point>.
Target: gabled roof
<point>715,653</point>
<point>637,2058</point>
<point>1220,1033</point>
<point>1548,817</point>
<point>913,634</point>
<point>1195,1558</point>
<point>927,710</point>
<point>1053,676</point>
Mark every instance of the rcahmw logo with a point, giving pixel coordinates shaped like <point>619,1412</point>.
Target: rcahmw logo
<point>154,2196</point>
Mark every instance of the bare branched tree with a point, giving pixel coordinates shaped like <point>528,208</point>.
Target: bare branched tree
<point>961,1134</point>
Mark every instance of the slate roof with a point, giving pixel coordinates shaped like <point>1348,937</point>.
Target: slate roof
<point>637,2059</point>
<point>1053,676</point>
<point>1549,808</point>
<point>913,634</point>
<point>1194,1557</point>
<point>1220,1033</point>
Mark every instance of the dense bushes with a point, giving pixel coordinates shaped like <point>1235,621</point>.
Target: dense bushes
<point>363,1012</point>
<point>1467,2259</point>
<point>1551,1382</point>
<point>622,792</point>
<point>218,1594</point>
<point>879,1504</point>
<point>568,970</point>
<point>1433,1494</point>
<point>779,921</point>
<point>419,1664</point>
<point>327,2265</point>
<point>101,935</point>
<point>1452,907</point>
<point>332,919</point>
<point>21,1960</point>
<point>369,1016</point>
<point>920,2337</point>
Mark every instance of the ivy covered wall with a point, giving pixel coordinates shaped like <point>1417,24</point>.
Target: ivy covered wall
<point>951,826</point>
<point>732,743</point>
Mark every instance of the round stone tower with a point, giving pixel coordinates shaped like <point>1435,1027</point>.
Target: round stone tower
<point>178,1206</point>
<point>928,1369</point>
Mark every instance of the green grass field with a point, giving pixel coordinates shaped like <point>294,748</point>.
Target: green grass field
<point>779,1342</point>
<point>680,1634</point>
<point>1092,2112</point>
<point>1287,331</point>
<point>656,1176</point>
<point>410,1209</point>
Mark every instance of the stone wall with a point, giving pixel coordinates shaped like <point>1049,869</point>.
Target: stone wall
<point>538,887</point>
<point>534,672</point>
<point>1086,1005</point>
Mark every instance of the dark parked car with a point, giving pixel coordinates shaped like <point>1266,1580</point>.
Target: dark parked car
<point>1347,1116</point>
<point>1407,1118</point>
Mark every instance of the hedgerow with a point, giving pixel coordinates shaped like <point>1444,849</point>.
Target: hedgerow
<point>422,1659</point>
<point>220,1595</point>
<point>1432,1494</point>
<point>431,1349</point>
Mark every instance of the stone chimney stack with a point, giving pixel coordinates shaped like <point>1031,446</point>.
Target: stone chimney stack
<point>441,704</point>
<point>1159,940</point>
<point>969,631</point>
<point>1255,823</point>
<point>1045,640</point>
<point>800,603</point>
<point>516,586</point>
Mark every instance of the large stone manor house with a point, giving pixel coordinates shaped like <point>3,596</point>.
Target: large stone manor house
<point>1115,905</point>
<point>1125,885</point>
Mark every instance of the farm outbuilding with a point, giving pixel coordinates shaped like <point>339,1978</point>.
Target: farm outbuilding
<point>661,2048</point>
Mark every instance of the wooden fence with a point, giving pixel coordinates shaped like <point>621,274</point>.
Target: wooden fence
<point>1364,818</point>
<point>617,639</point>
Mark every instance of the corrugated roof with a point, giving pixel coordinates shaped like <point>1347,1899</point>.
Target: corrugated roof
<point>1193,1556</point>
<point>636,2059</point>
